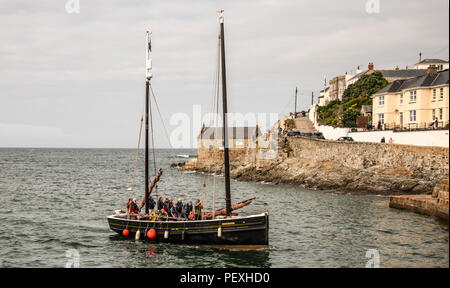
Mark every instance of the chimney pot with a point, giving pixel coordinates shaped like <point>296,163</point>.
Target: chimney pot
<point>432,69</point>
<point>371,66</point>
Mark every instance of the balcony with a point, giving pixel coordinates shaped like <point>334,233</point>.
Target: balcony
<point>422,126</point>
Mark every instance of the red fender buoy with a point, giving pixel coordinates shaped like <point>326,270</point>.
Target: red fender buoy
<point>125,232</point>
<point>151,234</point>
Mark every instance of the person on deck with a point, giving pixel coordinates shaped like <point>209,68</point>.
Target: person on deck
<point>198,209</point>
<point>187,209</point>
<point>166,205</point>
<point>160,204</point>
<point>163,213</point>
<point>129,204</point>
<point>180,207</point>
<point>133,208</point>
<point>173,210</point>
<point>151,203</point>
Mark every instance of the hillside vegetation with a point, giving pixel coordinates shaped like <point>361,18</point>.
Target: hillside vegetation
<point>344,113</point>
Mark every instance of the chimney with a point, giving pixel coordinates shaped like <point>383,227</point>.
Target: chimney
<point>432,69</point>
<point>396,68</point>
<point>420,57</point>
<point>371,66</point>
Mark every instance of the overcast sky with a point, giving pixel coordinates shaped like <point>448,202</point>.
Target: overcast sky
<point>77,79</point>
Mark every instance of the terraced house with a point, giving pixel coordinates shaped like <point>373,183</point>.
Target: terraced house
<point>414,103</point>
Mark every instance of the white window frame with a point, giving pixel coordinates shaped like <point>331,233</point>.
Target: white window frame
<point>433,114</point>
<point>381,118</point>
<point>413,96</point>
<point>441,114</point>
<point>441,94</point>
<point>381,100</point>
<point>434,94</point>
<point>401,98</point>
<point>412,113</point>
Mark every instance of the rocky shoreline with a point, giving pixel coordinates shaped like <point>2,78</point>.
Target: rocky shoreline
<point>364,173</point>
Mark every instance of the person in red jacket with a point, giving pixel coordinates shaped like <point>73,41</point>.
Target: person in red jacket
<point>132,207</point>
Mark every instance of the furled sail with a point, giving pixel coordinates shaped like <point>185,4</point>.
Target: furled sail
<point>223,211</point>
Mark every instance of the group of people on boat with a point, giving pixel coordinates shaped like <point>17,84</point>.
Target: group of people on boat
<point>170,208</point>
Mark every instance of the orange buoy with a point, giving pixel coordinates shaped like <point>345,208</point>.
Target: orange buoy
<point>151,234</point>
<point>125,232</point>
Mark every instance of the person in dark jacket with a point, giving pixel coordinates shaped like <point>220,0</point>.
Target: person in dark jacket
<point>151,203</point>
<point>180,207</point>
<point>173,210</point>
<point>160,204</point>
<point>187,209</point>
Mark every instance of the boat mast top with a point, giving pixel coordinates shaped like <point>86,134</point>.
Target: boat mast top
<point>225,117</point>
<point>220,14</point>
<point>148,60</point>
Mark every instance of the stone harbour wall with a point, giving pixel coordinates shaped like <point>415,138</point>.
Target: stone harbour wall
<point>344,167</point>
<point>436,204</point>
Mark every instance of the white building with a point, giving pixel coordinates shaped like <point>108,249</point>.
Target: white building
<point>324,97</point>
<point>424,64</point>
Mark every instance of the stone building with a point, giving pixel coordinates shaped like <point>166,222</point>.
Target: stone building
<point>324,97</point>
<point>240,139</point>
<point>337,87</point>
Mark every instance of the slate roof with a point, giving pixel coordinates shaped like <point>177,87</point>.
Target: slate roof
<point>403,73</point>
<point>432,61</point>
<point>428,80</point>
<point>400,73</point>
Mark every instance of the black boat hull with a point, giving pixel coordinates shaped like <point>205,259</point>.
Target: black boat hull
<point>250,230</point>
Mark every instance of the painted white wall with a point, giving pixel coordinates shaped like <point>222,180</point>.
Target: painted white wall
<point>425,66</point>
<point>432,138</point>
<point>332,133</point>
<point>437,138</point>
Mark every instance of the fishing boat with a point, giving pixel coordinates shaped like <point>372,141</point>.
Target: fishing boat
<point>220,227</point>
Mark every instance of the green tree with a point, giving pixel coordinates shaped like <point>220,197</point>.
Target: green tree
<point>354,97</point>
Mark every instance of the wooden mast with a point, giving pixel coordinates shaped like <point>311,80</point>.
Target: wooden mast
<point>225,119</point>
<point>148,76</point>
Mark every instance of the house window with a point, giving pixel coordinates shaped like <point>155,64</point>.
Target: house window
<point>381,100</point>
<point>413,96</point>
<point>440,114</point>
<point>381,118</point>
<point>433,112</point>
<point>441,94</point>
<point>412,116</point>
<point>434,94</point>
<point>401,99</point>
